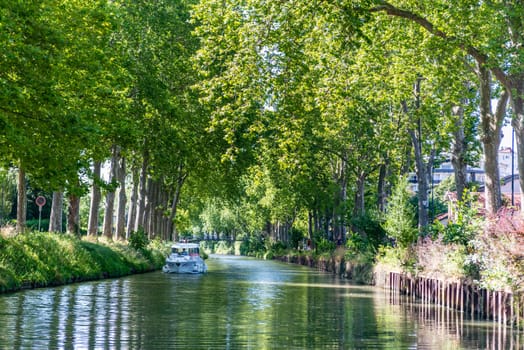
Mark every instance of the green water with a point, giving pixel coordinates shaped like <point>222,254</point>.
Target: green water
<point>239,304</point>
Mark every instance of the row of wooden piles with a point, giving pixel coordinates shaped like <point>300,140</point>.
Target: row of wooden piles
<point>499,306</point>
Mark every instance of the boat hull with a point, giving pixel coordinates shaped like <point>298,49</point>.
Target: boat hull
<point>190,266</point>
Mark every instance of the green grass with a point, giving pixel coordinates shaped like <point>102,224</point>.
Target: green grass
<point>45,259</point>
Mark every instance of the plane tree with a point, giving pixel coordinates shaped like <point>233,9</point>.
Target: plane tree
<point>490,32</point>
<point>47,127</point>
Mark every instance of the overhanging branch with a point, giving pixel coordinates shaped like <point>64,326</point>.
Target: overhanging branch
<point>480,57</point>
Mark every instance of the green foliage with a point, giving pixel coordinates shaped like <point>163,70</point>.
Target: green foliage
<point>398,259</point>
<point>33,225</point>
<point>297,236</point>
<point>254,245</point>
<point>324,245</point>
<point>370,224</point>
<point>464,225</point>
<point>138,240</point>
<point>400,216</point>
<point>7,193</point>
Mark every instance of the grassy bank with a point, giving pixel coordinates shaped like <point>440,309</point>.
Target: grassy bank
<point>46,259</point>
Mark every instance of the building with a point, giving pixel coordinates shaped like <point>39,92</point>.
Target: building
<point>474,174</point>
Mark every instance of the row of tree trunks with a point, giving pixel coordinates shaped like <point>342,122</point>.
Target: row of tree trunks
<point>279,231</point>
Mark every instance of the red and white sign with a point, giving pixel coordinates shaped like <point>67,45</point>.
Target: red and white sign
<point>40,201</point>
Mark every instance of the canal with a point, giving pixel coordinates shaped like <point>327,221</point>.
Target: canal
<point>240,303</point>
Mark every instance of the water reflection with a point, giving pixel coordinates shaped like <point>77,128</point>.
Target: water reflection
<point>240,304</point>
<point>458,330</point>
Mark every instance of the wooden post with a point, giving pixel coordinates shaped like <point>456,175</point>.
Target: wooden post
<point>501,313</point>
<point>488,305</point>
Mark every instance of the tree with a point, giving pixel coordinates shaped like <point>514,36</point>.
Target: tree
<point>400,216</point>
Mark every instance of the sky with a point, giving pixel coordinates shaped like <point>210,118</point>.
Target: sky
<point>506,138</point>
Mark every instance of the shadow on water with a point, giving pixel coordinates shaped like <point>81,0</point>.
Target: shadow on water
<point>435,322</point>
<point>239,304</point>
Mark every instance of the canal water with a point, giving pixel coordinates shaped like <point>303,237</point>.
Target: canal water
<point>240,303</point>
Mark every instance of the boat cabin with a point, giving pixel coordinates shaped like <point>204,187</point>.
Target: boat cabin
<point>191,249</point>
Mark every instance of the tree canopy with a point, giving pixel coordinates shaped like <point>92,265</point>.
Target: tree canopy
<point>298,114</point>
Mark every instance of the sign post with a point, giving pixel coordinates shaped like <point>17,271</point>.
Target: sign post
<point>40,201</point>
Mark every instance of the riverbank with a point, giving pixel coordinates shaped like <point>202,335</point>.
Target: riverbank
<point>483,280</point>
<point>38,259</point>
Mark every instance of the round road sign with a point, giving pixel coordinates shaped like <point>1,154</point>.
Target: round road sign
<point>40,201</point>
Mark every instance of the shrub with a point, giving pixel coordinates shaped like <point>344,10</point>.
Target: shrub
<point>253,245</point>
<point>324,245</point>
<point>138,240</point>
<point>371,226</point>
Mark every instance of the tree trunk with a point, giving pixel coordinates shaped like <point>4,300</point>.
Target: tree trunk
<point>382,186</point>
<point>491,126</point>
<point>422,182</point>
<point>343,201</point>
<point>458,152</point>
<point>96,196</point>
<point>55,220</point>
<point>21,212</point>
<point>110,196</point>
<point>360,205</point>
<point>147,209</point>
<point>73,215</point>
<point>131,215</point>
<point>421,166</point>
<point>142,193</point>
<point>156,208</point>
<point>517,104</point>
<point>122,201</point>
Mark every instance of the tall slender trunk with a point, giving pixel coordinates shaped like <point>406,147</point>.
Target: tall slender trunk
<point>459,148</point>
<point>21,212</point>
<point>55,220</point>
<point>421,167</point>
<point>359,208</point>
<point>110,195</point>
<point>122,201</point>
<point>517,104</point>
<point>382,186</point>
<point>73,215</point>
<point>131,215</point>
<point>142,193</point>
<point>491,126</point>
<point>422,182</point>
<point>96,196</point>
<point>148,205</point>
<point>341,234</point>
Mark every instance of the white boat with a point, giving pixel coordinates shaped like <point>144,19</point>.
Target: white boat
<point>185,258</point>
